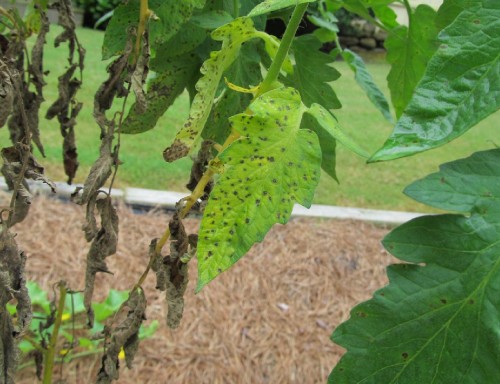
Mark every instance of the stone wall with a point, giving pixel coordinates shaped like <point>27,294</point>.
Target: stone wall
<point>362,36</point>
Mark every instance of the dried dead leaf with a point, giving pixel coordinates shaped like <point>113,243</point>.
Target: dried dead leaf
<point>103,245</point>
<point>123,333</point>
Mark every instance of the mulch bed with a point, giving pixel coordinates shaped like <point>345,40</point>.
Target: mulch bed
<point>266,320</point>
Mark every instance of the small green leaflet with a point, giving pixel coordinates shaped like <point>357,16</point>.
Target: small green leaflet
<point>268,6</point>
<point>272,166</point>
<point>408,51</point>
<point>232,36</point>
<point>365,81</point>
<point>438,320</point>
<point>162,92</point>
<point>313,72</point>
<point>331,127</point>
<point>460,87</point>
<point>364,8</point>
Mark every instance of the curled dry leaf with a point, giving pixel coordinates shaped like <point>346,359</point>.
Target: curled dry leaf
<point>199,167</point>
<point>100,170</point>
<point>138,78</point>
<point>66,108</point>
<point>103,245</point>
<point>13,169</point>
<point>176,271</point>
<point>123,333</point>
<point>12,286</point>
<point>6,94</point>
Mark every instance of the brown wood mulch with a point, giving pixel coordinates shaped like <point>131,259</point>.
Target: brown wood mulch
<point>266,320</point>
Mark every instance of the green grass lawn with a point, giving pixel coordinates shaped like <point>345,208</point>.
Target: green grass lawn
<point>376,186</point>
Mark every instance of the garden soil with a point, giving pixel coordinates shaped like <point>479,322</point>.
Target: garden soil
<point>266,320</point>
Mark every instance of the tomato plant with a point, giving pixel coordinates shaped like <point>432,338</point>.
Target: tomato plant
<point>262,126</point>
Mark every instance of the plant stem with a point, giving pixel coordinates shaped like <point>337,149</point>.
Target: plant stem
<point>286,42</point>
<point>144,15</point>
<point>409,11</point>
<point>236,8</point>
<point>51,350</point>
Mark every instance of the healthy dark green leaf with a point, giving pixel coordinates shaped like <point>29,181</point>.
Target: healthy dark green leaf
<point>330,127</point>
<point>448,12</point>
<point>273,165</point>
<point>408,51</point>
<point>212,19</point>
<point>364,8</point>
<point>268,6</point>
<point>461,85</point>
<point>365,81</point>
<point>438,320</point>
<point>327,143</point>
<point>313,71</point>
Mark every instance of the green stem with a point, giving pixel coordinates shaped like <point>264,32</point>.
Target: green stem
<point>286,42</point>
<point>51,350</point>
<point>409,11</point>
<point>236,8</point>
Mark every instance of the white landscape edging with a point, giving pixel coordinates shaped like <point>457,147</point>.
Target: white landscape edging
<point>166,199</point>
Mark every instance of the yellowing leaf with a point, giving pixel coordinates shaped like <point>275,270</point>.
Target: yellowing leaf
<point>273,165</point>
<point>232,36</point>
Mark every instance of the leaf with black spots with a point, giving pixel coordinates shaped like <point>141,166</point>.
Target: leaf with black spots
<point>232,35</point>
<point>273,165</point>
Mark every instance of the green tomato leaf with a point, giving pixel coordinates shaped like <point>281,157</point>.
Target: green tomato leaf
<point>408,51</point>
<point>110,306</point>
<point>170,17</point>
<point>74,302</point>
<point>460,88</point>
<point>448,12</point>
<point>461,184</point>
<point>327,143</point>
<point>365,81</point>
<point>273,165</point>
<point>38,296</point>
<point>268,6</point>
<point>232,35</point>
<point>146,332</point>
<point>185,41</point>
<point>438,320</point>
<point>212,19</point>
<point>245,71</point>
<point>330,127</point>
<point>313,72</point>
<point>364,8</point>
<point>162,92</point>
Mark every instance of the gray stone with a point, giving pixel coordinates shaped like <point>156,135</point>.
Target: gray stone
<point>348,41</point>
<point>380,34</point>
<point>358,49</point>
<point>357,26</point>
<point>368,42</point>
<point>368,29</point>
